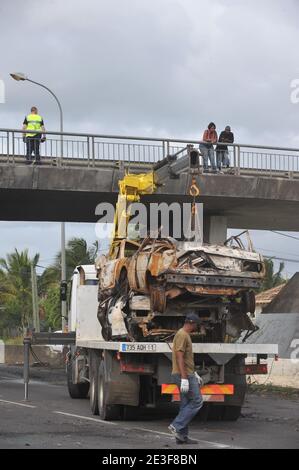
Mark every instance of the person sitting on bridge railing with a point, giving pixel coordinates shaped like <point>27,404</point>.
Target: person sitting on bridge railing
<point>222,155</point>
<point>206,147</point>
<point>33,122</point>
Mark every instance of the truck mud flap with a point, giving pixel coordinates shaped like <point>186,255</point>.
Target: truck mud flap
<point>122,388</point>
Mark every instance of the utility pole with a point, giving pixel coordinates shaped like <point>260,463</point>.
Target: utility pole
<point>63,279</point>
<point>22,77</point>
<point>35,309</point>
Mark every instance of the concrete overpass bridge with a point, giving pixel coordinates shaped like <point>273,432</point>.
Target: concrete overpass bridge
<point>79,171</point>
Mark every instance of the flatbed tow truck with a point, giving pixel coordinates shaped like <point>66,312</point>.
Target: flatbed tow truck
<point>126,369</point>
<point>122,377</point>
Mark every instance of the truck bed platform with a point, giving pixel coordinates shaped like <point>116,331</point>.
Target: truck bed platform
<point>198,348</point>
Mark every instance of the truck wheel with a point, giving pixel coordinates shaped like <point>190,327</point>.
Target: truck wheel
<point>75,390</point>
<point>224,413</point>
<point>203,413</point>
<point>215,412</point>
<point>106,412</point>
<point>94,361</point>
<point>233,403</point>
<point>130,413</point>
<point>231,413</point>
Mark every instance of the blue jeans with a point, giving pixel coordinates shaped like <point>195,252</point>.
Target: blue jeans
<point>222,157</point>
<point>32,146</point>
<point>208,154</point>
<point>191,403</point>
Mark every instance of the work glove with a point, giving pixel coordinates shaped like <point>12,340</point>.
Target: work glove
<point>184,385</point>
<point>43,139</point>
<point>199,379</point>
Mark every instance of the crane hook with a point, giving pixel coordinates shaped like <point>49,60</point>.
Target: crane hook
<point>194,189</point>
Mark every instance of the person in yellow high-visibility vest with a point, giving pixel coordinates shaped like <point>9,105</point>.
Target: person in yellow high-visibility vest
<point>34,124</point>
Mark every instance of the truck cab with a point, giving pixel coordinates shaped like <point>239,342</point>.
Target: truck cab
<point>84,287</point>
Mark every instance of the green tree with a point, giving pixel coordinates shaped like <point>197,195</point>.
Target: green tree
<point>272,278</point>
<point>50,305</point>
<point>77,252</point>
<point>15,285</point>
<point>15,295</point>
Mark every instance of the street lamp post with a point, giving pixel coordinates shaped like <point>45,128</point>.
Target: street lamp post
<point>22,77</point>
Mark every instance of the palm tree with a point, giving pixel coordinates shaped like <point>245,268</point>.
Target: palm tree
<point>15,292</point>
<point>272,278</point>
<point>77,252</point>
<point>5,288</point>
<point>50,306</point>
<point>18,264</point>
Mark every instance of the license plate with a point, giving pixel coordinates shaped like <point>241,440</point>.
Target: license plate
<point>137,347</point>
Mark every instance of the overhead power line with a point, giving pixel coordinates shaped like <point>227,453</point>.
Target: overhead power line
<point>283,259</point>
<point>285,235</point>
<point>276,251</point>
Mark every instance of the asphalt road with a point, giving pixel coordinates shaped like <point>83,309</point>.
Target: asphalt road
<point>52,420</point>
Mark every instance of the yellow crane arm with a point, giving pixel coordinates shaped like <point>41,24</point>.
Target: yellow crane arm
<point>131,187</point>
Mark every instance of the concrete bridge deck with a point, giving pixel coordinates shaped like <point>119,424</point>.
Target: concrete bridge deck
<point>263,192</point>
<point>44,193</point>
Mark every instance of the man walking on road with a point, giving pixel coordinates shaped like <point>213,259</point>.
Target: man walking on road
<point>188,381</point>
<point>33,123</point>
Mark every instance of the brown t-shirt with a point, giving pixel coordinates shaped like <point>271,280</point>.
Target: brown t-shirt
<point>182,342</point>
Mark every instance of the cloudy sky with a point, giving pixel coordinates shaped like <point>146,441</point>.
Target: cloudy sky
<point>152,68</point>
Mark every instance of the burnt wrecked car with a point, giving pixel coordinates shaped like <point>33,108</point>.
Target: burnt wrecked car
<point>148,288</point>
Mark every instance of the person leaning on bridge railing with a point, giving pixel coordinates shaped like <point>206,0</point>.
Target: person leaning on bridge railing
<point>209,138</point>
<point>33,123</point>
<point>222,155</point>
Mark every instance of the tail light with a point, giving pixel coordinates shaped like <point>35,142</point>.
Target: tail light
<point>254,369</point>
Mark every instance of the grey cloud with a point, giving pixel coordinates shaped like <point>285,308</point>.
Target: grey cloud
<point>154,67</point>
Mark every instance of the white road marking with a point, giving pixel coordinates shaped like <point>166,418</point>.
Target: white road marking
<point>200,441</point>
<point>85,417</point>
<point>18,381</point>
<point>169,436</point>
<point>13,381</point>
<point>17,403</point>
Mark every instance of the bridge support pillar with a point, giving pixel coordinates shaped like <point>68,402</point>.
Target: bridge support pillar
<point>215,229</point>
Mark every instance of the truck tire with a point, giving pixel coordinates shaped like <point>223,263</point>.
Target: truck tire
<point>75,390</point>
<point>215,412</point>
<point>239,381</point>
<point>106,412</point>
<point>231,413</point>
<point>224,413</point>
<point>130,413</point>
<point>94,362</point>
<point>231,409</point>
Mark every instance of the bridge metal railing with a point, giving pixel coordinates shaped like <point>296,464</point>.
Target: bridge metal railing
<point>91,150</point>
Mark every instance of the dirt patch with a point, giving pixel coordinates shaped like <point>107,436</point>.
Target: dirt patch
<point>288,393</point>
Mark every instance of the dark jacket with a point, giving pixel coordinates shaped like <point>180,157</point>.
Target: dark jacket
<point>225,136</point>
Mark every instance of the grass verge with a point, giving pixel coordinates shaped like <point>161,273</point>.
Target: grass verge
<point>277,390</point>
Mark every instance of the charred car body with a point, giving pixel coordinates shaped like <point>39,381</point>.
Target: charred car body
<point>148,288</point>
